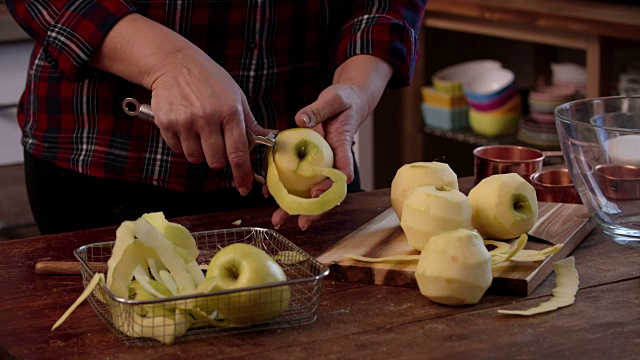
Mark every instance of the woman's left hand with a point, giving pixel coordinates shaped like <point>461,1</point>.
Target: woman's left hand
<point>338,113</point>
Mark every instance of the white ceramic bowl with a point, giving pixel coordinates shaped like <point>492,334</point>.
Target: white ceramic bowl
<point>451,78</point>
<point>569,72</point>
<point>489,82</point>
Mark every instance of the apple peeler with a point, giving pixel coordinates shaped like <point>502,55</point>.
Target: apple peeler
<point>143,111</point>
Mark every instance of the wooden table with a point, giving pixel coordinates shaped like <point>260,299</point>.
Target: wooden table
<point>355,321</point>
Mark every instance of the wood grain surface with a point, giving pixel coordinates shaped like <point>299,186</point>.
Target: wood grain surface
<point>580,16</point>
<point>565,224</point>
<point>355,320</point>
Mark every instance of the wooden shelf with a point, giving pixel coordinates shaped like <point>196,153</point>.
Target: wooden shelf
<point>571,17</point>
<point>575,24</point>
<point>594,27</point>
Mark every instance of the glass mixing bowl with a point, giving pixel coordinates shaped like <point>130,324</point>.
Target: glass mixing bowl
<point>600,141</point>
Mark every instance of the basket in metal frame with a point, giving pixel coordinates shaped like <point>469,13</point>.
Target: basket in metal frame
<point>304,281</point>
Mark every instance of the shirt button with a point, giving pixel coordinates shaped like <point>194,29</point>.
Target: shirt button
<point>252,44</point>
<point>249,99</point>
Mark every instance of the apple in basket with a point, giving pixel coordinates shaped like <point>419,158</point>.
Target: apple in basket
<point>239,266</point>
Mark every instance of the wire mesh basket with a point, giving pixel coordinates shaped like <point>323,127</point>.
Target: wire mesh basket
<point>181,318</point>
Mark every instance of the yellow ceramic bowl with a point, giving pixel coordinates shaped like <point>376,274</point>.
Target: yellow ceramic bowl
<point>441,99</point>
<point>448,87</point>
<point>492,125</point>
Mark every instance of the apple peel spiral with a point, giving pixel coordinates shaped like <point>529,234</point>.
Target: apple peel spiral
<point>300,159</point>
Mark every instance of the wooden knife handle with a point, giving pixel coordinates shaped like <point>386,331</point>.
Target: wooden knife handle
<point>65,267</point>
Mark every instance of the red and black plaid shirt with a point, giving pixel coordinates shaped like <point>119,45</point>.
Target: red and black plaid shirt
<point>281,53</point>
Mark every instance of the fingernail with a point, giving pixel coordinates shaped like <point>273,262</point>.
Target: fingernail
<point>316,194</point>
<point>243,191</point>
<point>305,118</point>
<point>276,226</point>
<point>304,227</point>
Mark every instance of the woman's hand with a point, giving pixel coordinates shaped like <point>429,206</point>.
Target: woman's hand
<point>338,113</point>
<point>198,107</point>
<point>202,113</point>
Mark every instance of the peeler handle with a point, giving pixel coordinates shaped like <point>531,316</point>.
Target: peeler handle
<point>133,108</point>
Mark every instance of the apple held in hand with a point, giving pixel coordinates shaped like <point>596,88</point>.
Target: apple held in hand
<point>239,266</point>
<point>300,159</point>
<point>454,268</point>
<point>430,210</point>
<point>504,206</point>
<point>411,176</point>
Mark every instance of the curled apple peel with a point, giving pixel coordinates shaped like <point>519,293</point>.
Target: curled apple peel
<point>300,159</point>
<point>564,294</point>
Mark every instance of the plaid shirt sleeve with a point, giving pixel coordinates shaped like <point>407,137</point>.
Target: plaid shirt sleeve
<point>68,30</point>
<point>387,29</point>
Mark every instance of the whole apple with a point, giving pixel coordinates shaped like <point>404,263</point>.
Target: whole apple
<point>300,159</point>
<point>301,147</point>
<point>411,176</point>
<point>504,206</point>
<point>430,210</point>
<point>239,266</point>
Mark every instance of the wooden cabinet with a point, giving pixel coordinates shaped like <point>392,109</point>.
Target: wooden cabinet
<point>536,30</point>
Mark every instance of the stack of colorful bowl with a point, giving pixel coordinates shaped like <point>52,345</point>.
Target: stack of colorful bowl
<point>444,106</point>
<point>629,80</point>
<point>570,75</point>
<point>494,101</point>
<point>444,111</point>
<point>538,127</point>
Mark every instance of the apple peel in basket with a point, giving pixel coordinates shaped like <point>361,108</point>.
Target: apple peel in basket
<point>161,257</point>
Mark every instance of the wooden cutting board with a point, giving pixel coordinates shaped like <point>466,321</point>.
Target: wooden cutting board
<point>566,224</point>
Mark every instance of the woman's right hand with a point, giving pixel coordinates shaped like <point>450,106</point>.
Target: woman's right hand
<point>202,113</point>
<point>200,110</point>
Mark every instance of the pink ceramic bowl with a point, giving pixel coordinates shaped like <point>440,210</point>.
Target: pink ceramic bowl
<point>493,104</point>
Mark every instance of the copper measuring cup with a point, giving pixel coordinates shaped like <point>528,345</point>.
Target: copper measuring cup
<point>555,185</point>
<point>619,182</point>
<point>143,111</point>
<point>502,159</point>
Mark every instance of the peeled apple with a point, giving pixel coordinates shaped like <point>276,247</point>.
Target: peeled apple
<point>300,159</point>
<point>454,268</point>
<point>417,174</point>
<point>504,206</point>
<point>430,210</point>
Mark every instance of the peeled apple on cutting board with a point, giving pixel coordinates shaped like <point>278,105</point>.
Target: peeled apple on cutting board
<point>454,266</point>
<point>154,259</point>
